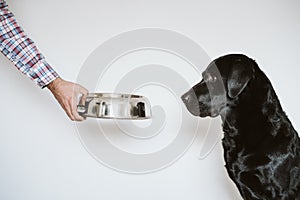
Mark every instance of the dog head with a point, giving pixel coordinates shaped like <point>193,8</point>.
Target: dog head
<point>223,82</point>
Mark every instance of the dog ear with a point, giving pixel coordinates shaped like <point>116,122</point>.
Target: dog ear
<point>241,73</point>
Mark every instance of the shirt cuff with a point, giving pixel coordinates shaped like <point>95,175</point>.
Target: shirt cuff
<point>42,74</point>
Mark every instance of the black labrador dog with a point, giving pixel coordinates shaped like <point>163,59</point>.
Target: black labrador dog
<point>261,147</point>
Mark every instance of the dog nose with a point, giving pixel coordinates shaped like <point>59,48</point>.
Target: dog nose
<point>185,97</point>
<point>191,103</point>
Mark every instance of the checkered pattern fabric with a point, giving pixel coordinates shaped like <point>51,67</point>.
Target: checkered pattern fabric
<point>21,50</point>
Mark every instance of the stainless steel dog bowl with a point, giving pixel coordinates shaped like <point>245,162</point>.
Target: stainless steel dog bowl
<point>115,106</point>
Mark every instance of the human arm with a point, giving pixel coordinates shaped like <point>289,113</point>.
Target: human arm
<point>21,50</point>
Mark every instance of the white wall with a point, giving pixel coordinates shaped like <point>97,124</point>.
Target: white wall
<point>40,152</point>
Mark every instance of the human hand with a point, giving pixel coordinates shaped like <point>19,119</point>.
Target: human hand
<point>66,93</point>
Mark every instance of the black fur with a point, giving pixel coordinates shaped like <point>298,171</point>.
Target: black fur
<point>261,147</point>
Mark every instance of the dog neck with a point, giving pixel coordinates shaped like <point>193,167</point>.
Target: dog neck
<point>254,117</point>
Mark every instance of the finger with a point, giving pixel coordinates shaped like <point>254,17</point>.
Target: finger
<point>80,93</point>
<point>73,108</point>
<point>82,99</point>
<point>84,93</point>
<point>66,106</point>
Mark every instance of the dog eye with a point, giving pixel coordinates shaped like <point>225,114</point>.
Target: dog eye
<point>213,79</point>
<point>209,78</point>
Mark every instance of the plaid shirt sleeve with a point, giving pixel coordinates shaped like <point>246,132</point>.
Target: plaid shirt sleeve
<point>21,50</point>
